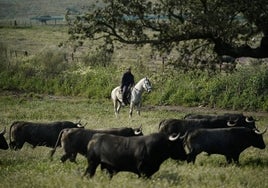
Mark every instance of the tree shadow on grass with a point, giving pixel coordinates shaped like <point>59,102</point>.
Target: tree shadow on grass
<point>255,162</point>
<point>170,177</point>
<point>10,162</point>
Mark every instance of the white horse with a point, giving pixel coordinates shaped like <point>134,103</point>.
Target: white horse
<point>135,99</point>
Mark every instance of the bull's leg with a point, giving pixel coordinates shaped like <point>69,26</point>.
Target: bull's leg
<point>191,157</point>
<point>228,159</point>
<point>147,172</point>
<point>109,169</point>
<point>236,159</point>
<point>19,145</point>
<point>65,157</point>
<point>146,169</point>
<point>12,145</point>
<point>73,157</point>
<point>91,168</point>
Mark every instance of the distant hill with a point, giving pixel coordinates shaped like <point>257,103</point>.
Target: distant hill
<point>25,9</point>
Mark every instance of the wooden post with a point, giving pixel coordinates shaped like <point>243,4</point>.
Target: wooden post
<point>163,64</point>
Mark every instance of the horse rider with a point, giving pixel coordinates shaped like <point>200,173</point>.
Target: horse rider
<point>126,83</point>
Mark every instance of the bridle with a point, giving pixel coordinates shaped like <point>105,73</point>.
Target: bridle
<point>147,85</point>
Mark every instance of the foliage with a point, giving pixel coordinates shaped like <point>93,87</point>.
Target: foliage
<point>244,89</point>
<point>3,57</point>
<point>101,57</point>
<point>191,27</point>
<point>48,73</point>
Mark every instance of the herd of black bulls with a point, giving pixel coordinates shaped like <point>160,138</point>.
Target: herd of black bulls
<point>127,149</point>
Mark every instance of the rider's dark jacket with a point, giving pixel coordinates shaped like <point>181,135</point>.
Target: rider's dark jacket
<point>127,79</point>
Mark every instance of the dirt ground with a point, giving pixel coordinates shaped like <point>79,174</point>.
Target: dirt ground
<point>179,109</point>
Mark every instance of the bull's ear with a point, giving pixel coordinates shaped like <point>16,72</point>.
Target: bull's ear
<point>140,127</point>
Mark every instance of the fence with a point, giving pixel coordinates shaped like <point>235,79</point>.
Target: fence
<point>30,22</point>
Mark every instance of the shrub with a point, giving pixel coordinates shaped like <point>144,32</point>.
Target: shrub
<point>3,57</point>
<point>48,73</point>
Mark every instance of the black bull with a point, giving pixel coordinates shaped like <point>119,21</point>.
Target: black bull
<point>37,134</point>
<point>229,142</point>
<point>3,142</point>
<point>75,140</point>
<point>141,155</point>
<point>181,126</point>
<point>233,118</point>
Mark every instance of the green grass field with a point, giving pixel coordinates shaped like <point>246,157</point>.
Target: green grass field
<point>33,168</point>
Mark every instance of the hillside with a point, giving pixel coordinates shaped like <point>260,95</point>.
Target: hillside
<point>25,9</point>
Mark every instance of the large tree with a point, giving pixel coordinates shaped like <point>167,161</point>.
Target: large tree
<point>236,28</point>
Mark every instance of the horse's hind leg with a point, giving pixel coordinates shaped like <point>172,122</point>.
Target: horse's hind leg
<point>117,107</point>
<point>131,110</point>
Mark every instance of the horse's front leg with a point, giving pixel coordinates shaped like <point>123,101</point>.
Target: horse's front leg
<point>139,109</point>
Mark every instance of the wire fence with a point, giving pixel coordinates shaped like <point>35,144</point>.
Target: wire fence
<point>30,22</point>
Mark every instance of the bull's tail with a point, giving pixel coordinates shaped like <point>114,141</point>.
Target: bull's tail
<point>162,124</point>
<point>56,144</point>
<point>10,135</point>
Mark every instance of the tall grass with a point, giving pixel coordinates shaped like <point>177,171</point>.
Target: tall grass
<point>47,70</point>
<point>245,89</point>
<point>33,168</point>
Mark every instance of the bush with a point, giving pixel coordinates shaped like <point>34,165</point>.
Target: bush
<point>48,73</point>
<point>3,57</point>
<point>245,89</point>
<point>51,62</point>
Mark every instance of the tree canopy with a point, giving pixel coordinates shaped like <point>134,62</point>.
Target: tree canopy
<point>234,28</point>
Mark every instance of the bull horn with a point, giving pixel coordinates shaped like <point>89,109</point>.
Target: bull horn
<point>80,125</point>
<point>138,131</point>
<point>183,136</point>
<point>174,137</point>
<point>229,124</point>
<point>3,131</point>
<point>249,119</point>
<point>260,133</point>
